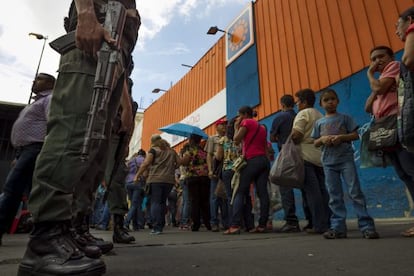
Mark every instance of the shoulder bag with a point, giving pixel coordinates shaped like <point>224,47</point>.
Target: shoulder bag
<point>240,163</point>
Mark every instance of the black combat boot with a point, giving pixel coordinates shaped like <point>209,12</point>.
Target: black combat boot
<point>52,251</point>
<point>121,234</point>
<point>89,244</point>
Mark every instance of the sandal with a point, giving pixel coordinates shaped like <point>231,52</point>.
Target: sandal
<point>408,233</point>
<point>258,229</point>
<point>234,230</point>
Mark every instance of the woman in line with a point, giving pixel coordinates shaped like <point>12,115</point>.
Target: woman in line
<point>254,148</point>
<point>385,88</point>
<point>194,159</point>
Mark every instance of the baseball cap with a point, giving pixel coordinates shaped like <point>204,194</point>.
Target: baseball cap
<point>220,122</point>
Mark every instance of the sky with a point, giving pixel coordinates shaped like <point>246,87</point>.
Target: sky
<point>173,32</point>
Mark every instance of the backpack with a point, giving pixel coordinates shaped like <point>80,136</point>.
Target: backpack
<point>405,120</point>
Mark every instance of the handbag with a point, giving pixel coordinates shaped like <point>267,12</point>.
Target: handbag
<point>383,133</point>
<point>240,163</point>
<point>372,158</point>
<point>288,170</point>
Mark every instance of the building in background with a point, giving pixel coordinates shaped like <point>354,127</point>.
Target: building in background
<point>277,47</point>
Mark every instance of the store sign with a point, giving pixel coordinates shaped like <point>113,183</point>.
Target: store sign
<point>205,115</point>
<point>239,35</point>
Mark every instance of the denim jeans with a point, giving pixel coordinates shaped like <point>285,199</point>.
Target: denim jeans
<point>186,205</point>
<point>97,211</point>
<point>105,216</point>
<point>317,196</point>
<point>289,206</point>
<point>19,180</point>
<point>403,162</point>
<point>135,213</point>
<point>216,204</point>
<point>347,170</point>
<point>257,171</point>
<point>159,195</point>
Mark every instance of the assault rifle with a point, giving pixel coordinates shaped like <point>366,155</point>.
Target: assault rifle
<point>108,70</point>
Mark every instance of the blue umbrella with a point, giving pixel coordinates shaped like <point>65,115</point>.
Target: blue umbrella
<point>184,130</point>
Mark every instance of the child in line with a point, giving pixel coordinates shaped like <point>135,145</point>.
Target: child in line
<point>334,134</point>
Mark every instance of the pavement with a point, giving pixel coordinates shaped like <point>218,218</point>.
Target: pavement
<point>177,252</point>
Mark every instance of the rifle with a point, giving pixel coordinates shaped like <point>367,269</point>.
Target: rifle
<point>108,69</point>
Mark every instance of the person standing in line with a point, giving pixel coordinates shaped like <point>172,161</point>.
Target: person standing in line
<point>185,223</point>
<point>314,186</point>
<point>214,173</point>
<point>383,100</point>
<point>59,171</point>
<point>254,147</point>
<point>281,129</point>
<point>28,134</point>
<point>334,133</point>
<point>194,159</point>
<point>228,152</point>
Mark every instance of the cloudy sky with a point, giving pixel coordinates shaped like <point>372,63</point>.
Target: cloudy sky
<point>173,32</point>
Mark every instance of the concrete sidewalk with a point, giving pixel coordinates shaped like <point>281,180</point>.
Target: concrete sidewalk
<point>177,252</point>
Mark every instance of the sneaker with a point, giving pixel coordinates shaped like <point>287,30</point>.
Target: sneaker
<point>215,228</point>
<point>333,234</point>
<point>289,228</point>
<point>370,234</point>
<point>155,232</point>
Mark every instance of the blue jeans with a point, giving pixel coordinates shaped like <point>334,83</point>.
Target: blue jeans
<point>186,204</point>
<point>403,162</point>
<point>317,196</point>
<point>248,217</point>
<point>159,195</point>
<point>289,207</point>
<point>257,171</point>
<point>346,170</point>
<point>19,181</point>
<point>98,208</point>
<point>105,216</point>
<point>217,203</point>
<point>135,213</point>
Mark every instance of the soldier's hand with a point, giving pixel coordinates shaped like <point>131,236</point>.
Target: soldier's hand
<point>89,33</point>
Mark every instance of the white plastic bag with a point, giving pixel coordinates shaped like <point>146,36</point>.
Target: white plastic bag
<point>288,169</point>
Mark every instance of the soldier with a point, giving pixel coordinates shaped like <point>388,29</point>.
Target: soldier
<point>59,173</point>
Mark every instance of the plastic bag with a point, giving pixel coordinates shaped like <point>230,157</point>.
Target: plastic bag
<point>288,169</point>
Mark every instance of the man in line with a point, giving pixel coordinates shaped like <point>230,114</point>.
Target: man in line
<point>28,134</point>
<point>281,129</point>
<point>59,170</point>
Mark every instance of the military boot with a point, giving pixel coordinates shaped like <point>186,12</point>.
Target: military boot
<point>90,245</point>
<point>52,251</point>
<point>121,234</point>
